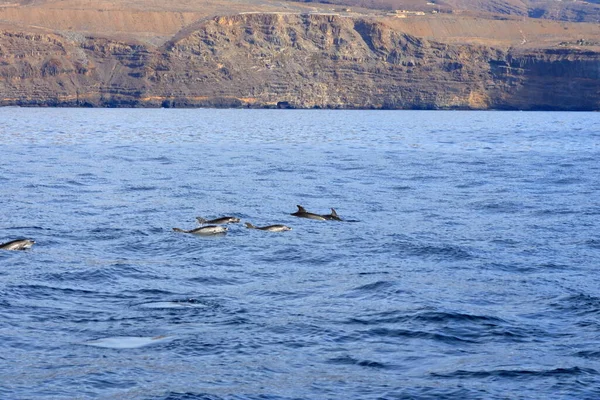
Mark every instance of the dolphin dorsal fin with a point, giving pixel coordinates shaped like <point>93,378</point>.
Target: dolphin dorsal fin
<point>301,209</point>
<point>333,212</point>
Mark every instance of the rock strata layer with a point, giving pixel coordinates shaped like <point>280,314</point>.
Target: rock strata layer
<point>292,61</point>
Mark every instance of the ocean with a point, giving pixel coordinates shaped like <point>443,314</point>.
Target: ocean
<point>467,264</point>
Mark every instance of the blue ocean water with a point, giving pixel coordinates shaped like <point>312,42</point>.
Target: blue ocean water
<point>467,266</point>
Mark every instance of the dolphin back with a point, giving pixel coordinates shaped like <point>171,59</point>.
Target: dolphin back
<point>333,216</point>
<point>19,244</point>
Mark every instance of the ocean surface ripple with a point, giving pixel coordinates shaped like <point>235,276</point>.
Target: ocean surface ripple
<point>466,266</point>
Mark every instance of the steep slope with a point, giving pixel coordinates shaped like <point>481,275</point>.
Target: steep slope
<point>297,60</point>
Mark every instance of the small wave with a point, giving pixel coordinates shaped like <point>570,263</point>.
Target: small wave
<point>402,188</point>
<point>284,255</point>
<point>581,304</point>
<point>44,186</point>
<point>523,373</point>
<point>163,160</point>
<point>109,233</point>
<point>119,159</point>
<point>235,321</point>
<point>593,243</point>
<point>27,227</point>
<point>471,184</point>
<point>347,360</point>
<point>551,212</point>
<point>373,273</point>
<point>445,326</point>
<point>510,267</point>
<point>175,304</point>
<point>154,292</point>
<point>505,241</point>
<point>93,275</point>
<point>134,188</point>
<point>425,178</point>
<point>566,181</point>
<point>550,267</point>
<point>415,334</point>
<point>214,281</point>
<point>443,317</point>
<point>440,317</point>
<point>42,291</point>
<point>379,289</point>
<point>75,183</point>
<point>475,163</point>
<point>588,354</point>
<point>189,396</point>
<point>375,286</point>
<point>505,207</point>
<point>279,294</point>
<point>443,251</point>
<point>438,392</point>
<point>412,247</point>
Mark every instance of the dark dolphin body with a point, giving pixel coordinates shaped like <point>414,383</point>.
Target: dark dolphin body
<point>19,244</point>
<point>218,221</point>
<point>270,228</point>
<point>333,216</point>
<point>302,213</point>
<point>205,230</point>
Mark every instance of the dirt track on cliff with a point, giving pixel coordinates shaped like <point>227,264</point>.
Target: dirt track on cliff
<point>154,22</point>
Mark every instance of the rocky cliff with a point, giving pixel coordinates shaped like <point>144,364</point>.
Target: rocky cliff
<point>293,60</point>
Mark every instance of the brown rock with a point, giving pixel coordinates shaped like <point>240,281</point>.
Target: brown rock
<point>296,61</point>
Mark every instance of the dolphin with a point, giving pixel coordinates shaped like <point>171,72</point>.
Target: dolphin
<point>19,244</point>
<point>333,216</point>
<point>218,221</point>
<point>205,230</point>
<point>270,228</point>
<point>302,213</point>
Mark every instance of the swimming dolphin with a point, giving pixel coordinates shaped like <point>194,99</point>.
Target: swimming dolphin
<point>218,221</point>
<point>19,244</point>
<point>205,230</point>
<point>302,213</point>
<point>333,216</point>
<point>270,228</point>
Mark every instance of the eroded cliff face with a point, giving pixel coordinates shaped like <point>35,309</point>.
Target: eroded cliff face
<point>262,60</point>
